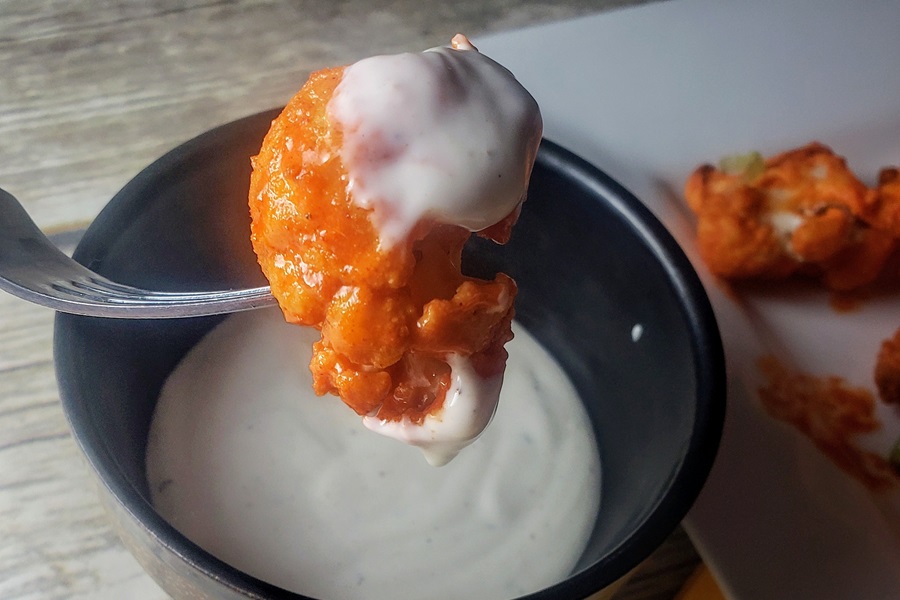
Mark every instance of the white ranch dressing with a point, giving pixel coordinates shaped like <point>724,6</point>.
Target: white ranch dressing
<point>467,410</point>
<point>446,134</point>
<point>248,463</point>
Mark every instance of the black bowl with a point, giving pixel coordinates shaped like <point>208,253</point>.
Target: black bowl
<point>590,260</point>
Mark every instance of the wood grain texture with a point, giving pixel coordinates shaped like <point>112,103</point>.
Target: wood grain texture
<point>56,541</point>
<point>93,92</point>
<point>90,93</point>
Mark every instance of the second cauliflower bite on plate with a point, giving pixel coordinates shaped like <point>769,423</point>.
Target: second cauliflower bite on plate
<point>802,211</point>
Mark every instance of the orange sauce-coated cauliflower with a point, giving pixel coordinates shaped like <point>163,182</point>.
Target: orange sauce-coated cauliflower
<point>388,317</point>
<point>882,207</point>
<point>800,211</point>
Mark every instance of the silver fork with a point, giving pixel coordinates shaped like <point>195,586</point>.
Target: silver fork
<point>34,269</point>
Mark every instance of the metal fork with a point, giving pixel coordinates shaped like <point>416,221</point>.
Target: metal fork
<point>34,269</point>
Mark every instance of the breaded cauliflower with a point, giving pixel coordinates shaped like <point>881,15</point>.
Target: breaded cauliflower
<point>799,211</point>
<point>388,317</point>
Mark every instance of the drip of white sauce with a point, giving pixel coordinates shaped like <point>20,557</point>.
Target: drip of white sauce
<point>637,332</point>
<point>446,134</point>
<point>468,408</point>
<point>248,463</point>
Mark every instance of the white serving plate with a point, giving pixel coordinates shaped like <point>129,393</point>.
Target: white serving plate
<point>649,93</point>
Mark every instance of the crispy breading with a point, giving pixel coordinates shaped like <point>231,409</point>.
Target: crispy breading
<point>388,318</point>
<point>800,211</point>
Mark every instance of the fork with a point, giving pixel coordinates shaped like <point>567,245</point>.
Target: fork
<point>34,269</point>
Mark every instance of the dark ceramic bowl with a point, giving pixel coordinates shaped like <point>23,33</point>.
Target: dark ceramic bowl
<point>590,262</point>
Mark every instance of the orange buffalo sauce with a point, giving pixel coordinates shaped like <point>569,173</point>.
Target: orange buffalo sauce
<point>832,414</point>
<point>887,370</point>
<point>388,317</point>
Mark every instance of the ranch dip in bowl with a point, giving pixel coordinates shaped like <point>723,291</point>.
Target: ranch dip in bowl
<point>227,481</point>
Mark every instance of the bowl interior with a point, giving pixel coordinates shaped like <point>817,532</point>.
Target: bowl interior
<point>602,286</point>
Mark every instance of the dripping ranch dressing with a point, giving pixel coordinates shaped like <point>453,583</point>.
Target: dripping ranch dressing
<point>446,135</point>
<point>248,463</point>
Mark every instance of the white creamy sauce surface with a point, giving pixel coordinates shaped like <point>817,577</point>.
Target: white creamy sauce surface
<point>446,134</point>
<point>289,487</point>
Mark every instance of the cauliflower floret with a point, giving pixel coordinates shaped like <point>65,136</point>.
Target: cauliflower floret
<point>362,197</point>
<point>800,211</point>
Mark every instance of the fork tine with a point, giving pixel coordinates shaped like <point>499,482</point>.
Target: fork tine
<point>104,290</point>
<point>109,285</point>
<point>34,269</point>
<point>144,304</point>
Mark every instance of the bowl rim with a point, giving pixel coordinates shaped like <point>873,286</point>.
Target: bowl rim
<point>661,518</point>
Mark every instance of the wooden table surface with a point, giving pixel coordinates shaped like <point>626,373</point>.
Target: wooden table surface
<point>90,93</point>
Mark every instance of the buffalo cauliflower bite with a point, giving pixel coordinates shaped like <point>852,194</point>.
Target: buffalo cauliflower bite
<point>342,255</point>
<point>799,211</point>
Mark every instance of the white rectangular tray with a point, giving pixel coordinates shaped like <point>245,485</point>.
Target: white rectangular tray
<point>649,93</point>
